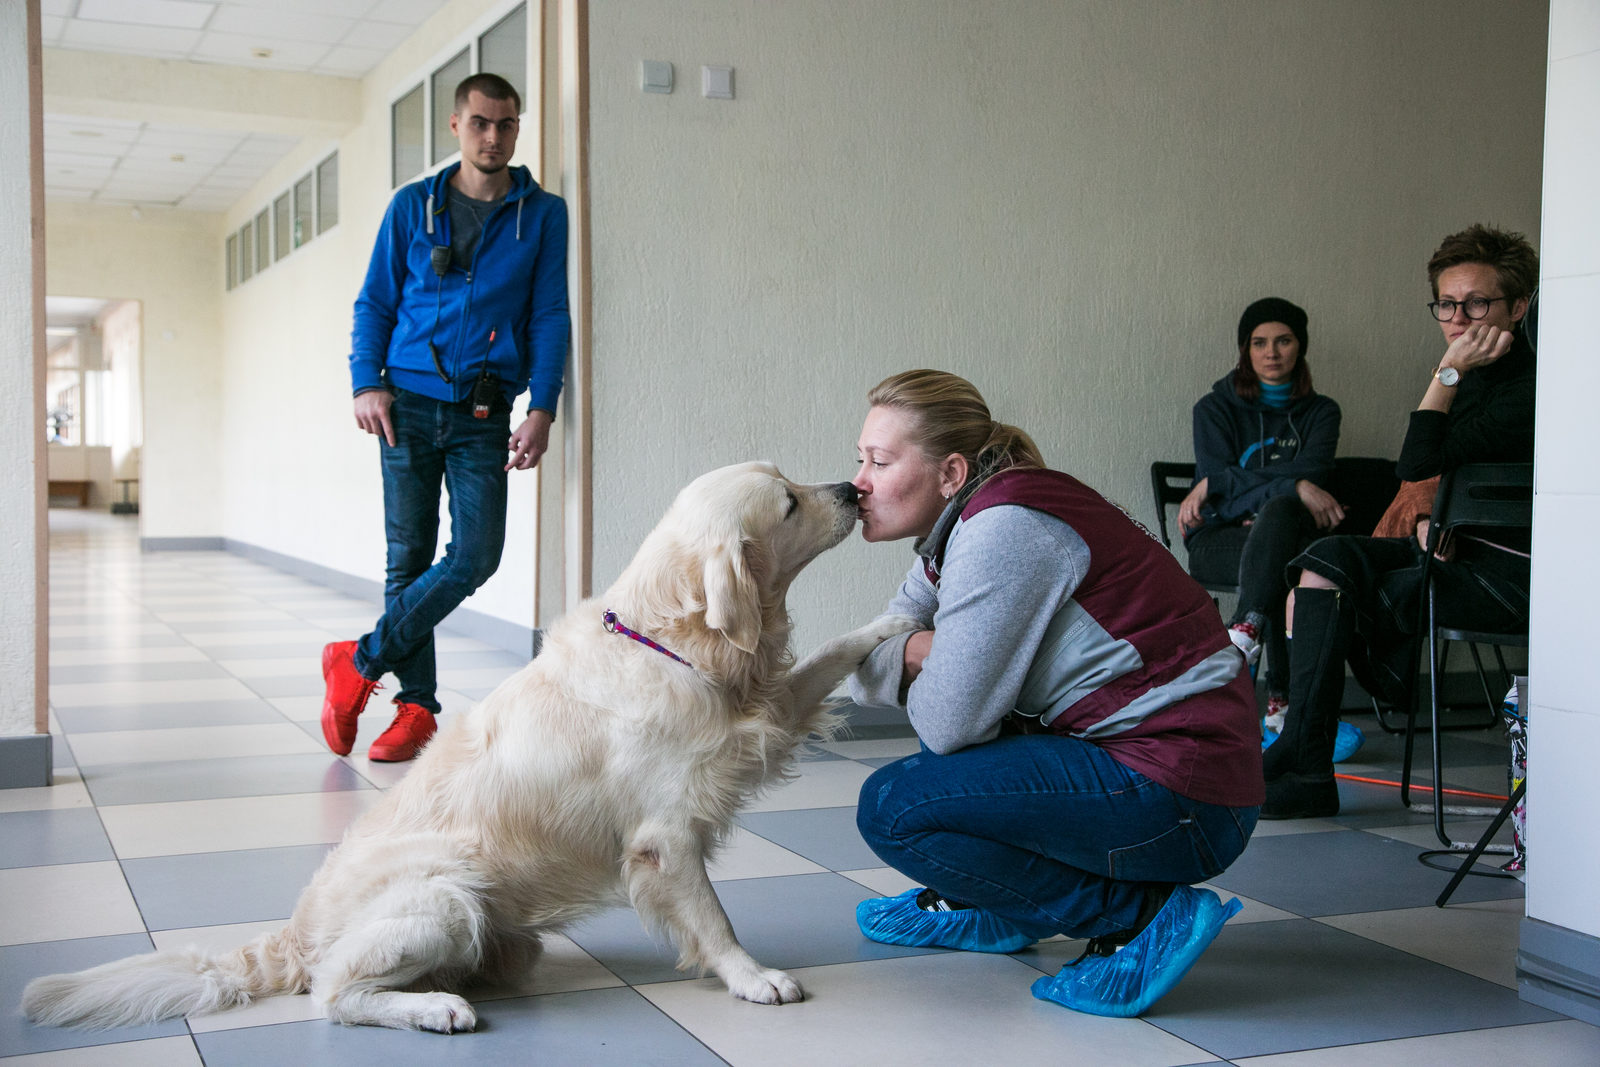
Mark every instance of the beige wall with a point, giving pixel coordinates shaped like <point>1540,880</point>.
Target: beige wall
<point>1068,202</point>
<point>171,262</point>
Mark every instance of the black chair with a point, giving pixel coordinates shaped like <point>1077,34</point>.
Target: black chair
<point>1363,484</point>
<point>1169,484</point>
<point>1496,498</point>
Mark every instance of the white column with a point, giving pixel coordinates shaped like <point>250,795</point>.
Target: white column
<point>24,547</point>
<point>1558,961</point>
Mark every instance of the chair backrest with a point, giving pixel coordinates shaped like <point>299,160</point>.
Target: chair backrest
<point>1364,486</point>
<point>1484,495</point>
<point>1169,483</point>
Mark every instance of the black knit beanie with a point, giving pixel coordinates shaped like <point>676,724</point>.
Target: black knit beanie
<point>1273,309</point>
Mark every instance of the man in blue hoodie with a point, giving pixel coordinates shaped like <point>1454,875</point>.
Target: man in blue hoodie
<point>464,306</point>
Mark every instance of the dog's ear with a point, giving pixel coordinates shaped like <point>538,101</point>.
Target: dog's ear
<point>733,601</point>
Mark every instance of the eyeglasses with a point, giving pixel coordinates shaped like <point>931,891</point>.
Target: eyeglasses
<point>1476,307</point>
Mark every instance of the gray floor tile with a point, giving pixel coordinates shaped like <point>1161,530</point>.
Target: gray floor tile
<point>597,1027</point>
<point>216,888</point>
<point>1283,986</point>
<point>21,964</point>
<point>39,838</point>
<point>114,638</point>
<point>803,920</point>
<point>145,783</point>
<point>135,672</point>
<point>1345,871</point>
<point>88,720</point>
<point>294,685</point>
<point>464,661</point>
<point>822,835</point>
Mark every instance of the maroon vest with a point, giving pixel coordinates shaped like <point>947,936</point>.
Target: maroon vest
<point>1206,746</point>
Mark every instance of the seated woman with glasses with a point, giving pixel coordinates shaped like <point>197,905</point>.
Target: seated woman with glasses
<point>1359,596</point>
<point>1264,442</point>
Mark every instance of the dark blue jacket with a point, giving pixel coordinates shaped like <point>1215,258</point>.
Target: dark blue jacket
<point>1252,453</point>
<point>515,288</point>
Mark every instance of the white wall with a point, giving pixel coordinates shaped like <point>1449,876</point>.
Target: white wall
<point>1564,723</point>
<point>171,262</point>
<point>23,573</point>
<point>1068,202</point>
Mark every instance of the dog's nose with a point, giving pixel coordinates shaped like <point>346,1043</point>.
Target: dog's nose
<point>846,492</point>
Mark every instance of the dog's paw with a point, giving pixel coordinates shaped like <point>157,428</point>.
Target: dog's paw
<point>881,629</point>
<point>443,1013</point>
<point>766,987</point>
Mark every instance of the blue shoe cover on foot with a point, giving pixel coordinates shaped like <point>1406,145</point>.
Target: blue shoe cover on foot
<point>1147,968</point>
<point>1348,742</point>
<point>1267,737</point>
<point>898,921</point>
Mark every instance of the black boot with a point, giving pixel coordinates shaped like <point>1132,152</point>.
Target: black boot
<point>1299,765</point>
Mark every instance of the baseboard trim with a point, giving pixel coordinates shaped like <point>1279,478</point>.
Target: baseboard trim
<point>25,761</point>
<point>181,544</point>
<point>1559,969</point>
<point>510,636</point>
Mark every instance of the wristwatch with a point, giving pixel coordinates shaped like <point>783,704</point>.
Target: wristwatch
<point>1448,376</point>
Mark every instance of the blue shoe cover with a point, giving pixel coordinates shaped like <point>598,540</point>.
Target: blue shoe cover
<point>1348,742</point>
<point>1128,982</point>
<point>1267,737</point>
<point>898,921</point>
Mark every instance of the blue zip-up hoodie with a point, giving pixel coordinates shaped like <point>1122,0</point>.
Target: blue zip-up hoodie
<point>519,295</point>
<point>1252,453</point>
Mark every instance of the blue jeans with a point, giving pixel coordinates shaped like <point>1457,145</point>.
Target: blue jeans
<point>436,443</point>
<point>1046,831</point>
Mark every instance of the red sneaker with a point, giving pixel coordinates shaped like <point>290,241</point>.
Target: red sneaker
<point>345,697</point>
<point>411,729</point>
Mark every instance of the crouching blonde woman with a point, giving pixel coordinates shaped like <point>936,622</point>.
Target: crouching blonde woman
<point>1090,747</point>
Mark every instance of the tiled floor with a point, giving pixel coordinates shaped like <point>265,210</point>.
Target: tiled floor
<point>194,797</point>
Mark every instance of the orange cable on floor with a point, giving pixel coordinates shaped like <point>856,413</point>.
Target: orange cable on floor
<point>1414,785</point>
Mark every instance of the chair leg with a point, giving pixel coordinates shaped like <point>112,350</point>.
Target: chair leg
<point>1483,842</point>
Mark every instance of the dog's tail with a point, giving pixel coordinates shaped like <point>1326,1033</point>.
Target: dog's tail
<point>164,985</point>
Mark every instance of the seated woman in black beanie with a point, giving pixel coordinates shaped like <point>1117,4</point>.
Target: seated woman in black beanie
<point>1264,442</point>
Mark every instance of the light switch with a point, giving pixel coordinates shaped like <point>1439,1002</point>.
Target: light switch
<point>655,76</point>
<point>717,82</point>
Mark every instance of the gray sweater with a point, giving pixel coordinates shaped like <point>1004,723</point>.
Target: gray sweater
<point>1007,572</point>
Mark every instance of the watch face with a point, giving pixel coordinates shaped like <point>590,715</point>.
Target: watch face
<point>1448,375</point>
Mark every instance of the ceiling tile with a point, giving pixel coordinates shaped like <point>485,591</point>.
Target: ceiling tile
<point>240,50</point>
<point>415,12</point>
<point>384,36</point>
<point>280,24</point>
<point>158,41</point>
<point>179,14</point>
<point>345,61</point>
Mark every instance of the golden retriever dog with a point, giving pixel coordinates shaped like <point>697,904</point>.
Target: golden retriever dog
<point>606,771</point>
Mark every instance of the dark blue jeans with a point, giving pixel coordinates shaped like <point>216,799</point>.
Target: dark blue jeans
<point>1046,831</point>
<point>436,443</point>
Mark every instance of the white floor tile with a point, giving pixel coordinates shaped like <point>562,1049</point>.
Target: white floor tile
<point>252,638</point>
<point>750,856</point>
<point>189,826</point>
<point>66,901</point>
<point>183,691</point>
<point>115,632</point>
<point>66,791</point>
<point>161,1052</point>
<point>476,678</point>
<point>309,666</point>
<point>94,657</point>
<point>959,1007</point>
<point>881,748</point>
<point>563,967</point>
<point>884,881</point>
<point>1478,938</point>
<point>824,784</point>
<point>192,743</point>
<point>190,616</point>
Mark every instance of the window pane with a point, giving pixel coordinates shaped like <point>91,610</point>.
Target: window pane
<point>406,120</point>
<point>328,193</point>
<point>247,253</point>
<point>302,211</point>
<point>503,50</point>
<point>445,80</point>
<point>263,226</point>
<point>233,260</point>
<point>280,227</point>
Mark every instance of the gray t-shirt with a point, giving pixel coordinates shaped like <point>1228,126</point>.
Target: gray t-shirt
<point>467,217</point>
